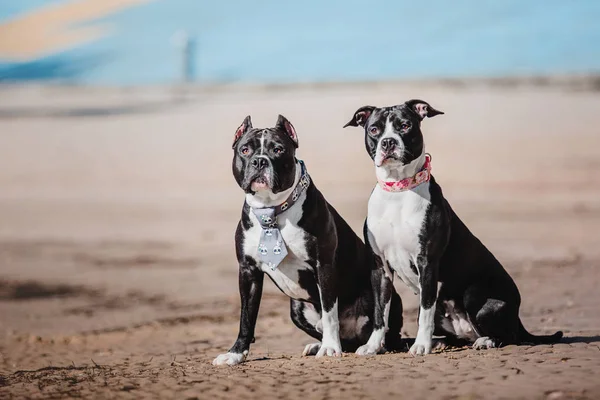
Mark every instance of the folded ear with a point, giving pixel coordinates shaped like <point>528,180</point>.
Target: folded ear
<point>286,126</point>
<point>360,116</point>
<point>422,108</point>
<point>244,127</point>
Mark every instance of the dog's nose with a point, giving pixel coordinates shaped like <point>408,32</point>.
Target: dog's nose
<point>388,144</point>
<point>260,163</point>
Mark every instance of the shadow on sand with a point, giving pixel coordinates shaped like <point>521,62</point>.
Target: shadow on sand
<point>580,339</point>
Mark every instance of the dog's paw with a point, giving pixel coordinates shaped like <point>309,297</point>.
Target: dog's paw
<point>440,345</point>
<point>230,358</point>
<point>420,348</point>
<point>368,350</point>
<point>330,350</point>
<point>484,343</point>
<point>311,349</point>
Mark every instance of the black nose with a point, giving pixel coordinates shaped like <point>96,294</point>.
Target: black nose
<point>260,162</point>
<point>388,144</point>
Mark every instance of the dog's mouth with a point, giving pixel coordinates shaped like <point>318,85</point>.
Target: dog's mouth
<point>259,183</point>
<point>385,158</point>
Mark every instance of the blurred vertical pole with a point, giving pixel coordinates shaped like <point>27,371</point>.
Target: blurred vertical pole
<point>189,54</point>
<point>186,47</point>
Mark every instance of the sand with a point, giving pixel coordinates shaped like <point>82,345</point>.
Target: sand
<point>117,271</point>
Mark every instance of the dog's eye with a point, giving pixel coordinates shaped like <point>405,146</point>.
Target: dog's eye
<point>373,130</point>
<point>404,126</point>
<point>245,150</point>
<point>278,150</point>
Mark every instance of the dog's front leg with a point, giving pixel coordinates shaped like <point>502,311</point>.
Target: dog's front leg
<point>251,285</point>
<point>428,280</point>
<point>328,292</point>
<point>382,292</point>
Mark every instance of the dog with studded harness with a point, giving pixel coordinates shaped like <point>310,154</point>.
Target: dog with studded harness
<point>289,232</point>
<point>465,293</point>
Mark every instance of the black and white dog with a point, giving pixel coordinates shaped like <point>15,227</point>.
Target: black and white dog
<point>325,272</point>
<point>465,293</point>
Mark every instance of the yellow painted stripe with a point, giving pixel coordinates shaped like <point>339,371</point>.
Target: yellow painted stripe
<point>50,29</point>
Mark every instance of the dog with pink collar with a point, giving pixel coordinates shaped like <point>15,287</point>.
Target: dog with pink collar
<point>465,293</point>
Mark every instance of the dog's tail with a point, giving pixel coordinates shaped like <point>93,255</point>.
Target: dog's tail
<point>526,337</point>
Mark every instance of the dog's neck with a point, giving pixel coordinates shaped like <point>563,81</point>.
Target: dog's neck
<point>266,198</point>
<point>395,171</point>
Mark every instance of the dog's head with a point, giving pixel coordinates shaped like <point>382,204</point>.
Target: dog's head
<point>393,134</point>
<point>265,159</point>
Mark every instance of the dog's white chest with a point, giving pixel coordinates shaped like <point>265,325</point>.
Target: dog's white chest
<point>287,274</point>
<point>395,222</point>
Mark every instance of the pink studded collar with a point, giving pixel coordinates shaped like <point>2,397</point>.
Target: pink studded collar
<point>409,183</point>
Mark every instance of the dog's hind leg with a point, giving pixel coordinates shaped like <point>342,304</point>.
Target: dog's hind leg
<point>308,318</point>
<point>495,321</point>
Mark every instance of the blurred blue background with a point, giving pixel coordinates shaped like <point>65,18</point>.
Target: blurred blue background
<point>270,41</point>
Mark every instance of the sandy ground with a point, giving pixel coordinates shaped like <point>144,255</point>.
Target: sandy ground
<point>117,272</point>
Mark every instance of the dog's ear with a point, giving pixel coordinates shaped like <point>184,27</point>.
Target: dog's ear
<point>286,126</point>
<point>360,116</point>
<point>422,108</point>
<point>244,127</point>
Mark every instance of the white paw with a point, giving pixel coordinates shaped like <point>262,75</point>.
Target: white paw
<point>484,343</point>
<point>330,350</point>
<point>311,349</point>
<point>420,348</point>
<point>368,350</point>
<point>230,358</point>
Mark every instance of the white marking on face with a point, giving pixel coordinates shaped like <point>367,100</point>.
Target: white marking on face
<point>262,143</point>
<point>388,132</point>
<point>262,188</point>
